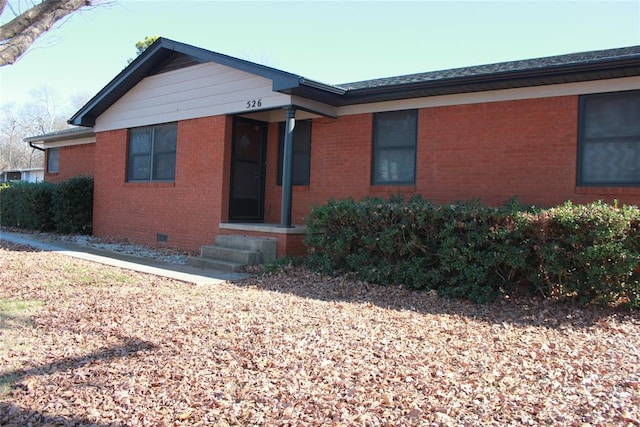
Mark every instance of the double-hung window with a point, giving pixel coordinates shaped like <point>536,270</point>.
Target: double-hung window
<point>152,153</point>
<point>609,139</point>
<point>53,160</point>
<point>395,135</point>
<point>300,173</point>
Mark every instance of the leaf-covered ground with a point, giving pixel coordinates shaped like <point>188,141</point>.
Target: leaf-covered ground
<point>96,345</point>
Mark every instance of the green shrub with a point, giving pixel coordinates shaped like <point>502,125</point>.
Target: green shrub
<point>27,205</point>
<point>73,205</point>
<point>66,207</point>
<point>590,252</point>
<point>466,250</point>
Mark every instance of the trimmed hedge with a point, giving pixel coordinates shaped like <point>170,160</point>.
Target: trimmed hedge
<point>73,205</point>
<point>66,207</point>
<point>27,205</point>
<point>466,250</point>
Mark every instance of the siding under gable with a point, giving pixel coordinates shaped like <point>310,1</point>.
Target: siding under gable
<point>198,91</point>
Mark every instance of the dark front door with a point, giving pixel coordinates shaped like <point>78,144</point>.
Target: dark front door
<point>247,170</point>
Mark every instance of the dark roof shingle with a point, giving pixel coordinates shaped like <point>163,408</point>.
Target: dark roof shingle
<point>529,65</point>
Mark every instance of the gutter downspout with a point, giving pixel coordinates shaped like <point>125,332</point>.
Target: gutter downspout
<point>287,165</point>
<point>34,147</point>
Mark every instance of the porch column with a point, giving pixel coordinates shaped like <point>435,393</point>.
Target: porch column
<point>287,166</point>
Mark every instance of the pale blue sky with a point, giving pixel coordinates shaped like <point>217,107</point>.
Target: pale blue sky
<point>329,41</point>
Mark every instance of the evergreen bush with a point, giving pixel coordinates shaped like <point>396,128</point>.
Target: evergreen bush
<point>27,205</point>
<point>73,205</point>
<point>66,207</point>
<point>466,250</point>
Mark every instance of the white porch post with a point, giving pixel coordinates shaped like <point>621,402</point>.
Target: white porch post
<point>287,166</point>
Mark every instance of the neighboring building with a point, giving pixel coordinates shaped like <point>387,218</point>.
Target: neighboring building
<point>69,153</point>
<point>24,175</point>
<point>189,143</point>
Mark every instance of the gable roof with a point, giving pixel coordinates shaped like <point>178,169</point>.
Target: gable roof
<point>165,55</point>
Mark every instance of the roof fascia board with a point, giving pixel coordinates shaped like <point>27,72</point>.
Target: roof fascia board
<point>64,143</point>
<point>575,72</point>
<point>135,72</point>
<point>80,118</point>
<point>61,136</point>
<point>288,83</point>
<point>282,80</point>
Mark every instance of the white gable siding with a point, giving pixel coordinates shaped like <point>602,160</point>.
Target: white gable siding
<point>198,91</point>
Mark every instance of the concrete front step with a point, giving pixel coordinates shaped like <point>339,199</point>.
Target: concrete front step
<point>264,245</point>
<point>232,252</point>
<point>241,256</point>
<point>216,264</point>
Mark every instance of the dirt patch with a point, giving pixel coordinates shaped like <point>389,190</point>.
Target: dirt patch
<point>114,347</point>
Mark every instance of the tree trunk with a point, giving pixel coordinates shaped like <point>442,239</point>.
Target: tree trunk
<point>18,34</point>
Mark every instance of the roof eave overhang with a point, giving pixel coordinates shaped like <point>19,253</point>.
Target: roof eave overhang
<point>496,81</point>
<point>161,51</point>
<point>153,57</point>
<point>61,136</point>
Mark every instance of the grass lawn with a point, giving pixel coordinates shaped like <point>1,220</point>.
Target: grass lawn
<point>86,344</point>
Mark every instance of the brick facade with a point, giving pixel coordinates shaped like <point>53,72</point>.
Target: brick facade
<point>74,160</point>
<point>488,151</point>
<point>187,211</point>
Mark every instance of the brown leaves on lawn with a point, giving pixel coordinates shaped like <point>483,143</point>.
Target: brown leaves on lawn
<point>112,347</point>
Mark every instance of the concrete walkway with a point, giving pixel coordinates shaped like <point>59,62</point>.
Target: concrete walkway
<point>184,273</point>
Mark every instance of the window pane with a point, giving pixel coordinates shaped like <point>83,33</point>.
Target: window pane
<point>164,166</point>
<point>394,166</point>
<point>140,141</point>
<point>165,138</point>
<point>609,146</point>
<point>152,153</point>
<point>138,168</point>
<point>300,175</point>
<point>53,160</point>
<point>394,147</point>
<point>395,129</point>
<point>611,162</point>
<point>614,115</point>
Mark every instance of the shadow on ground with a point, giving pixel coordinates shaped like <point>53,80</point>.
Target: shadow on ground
<point>529,310</point>
<point>14,416</point>
<point>11,415</point>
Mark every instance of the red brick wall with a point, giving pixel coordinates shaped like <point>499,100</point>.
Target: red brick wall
<point>340,165</point>
<point>493,151</point>
<point>188,211</point>
<point>74,160</point>
<point>490,151</point>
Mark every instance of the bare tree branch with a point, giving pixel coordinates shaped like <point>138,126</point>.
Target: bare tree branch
<point>3,3</point>
<point>18,34</point>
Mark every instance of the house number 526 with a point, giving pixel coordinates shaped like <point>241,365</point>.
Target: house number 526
<point>254,103</point>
